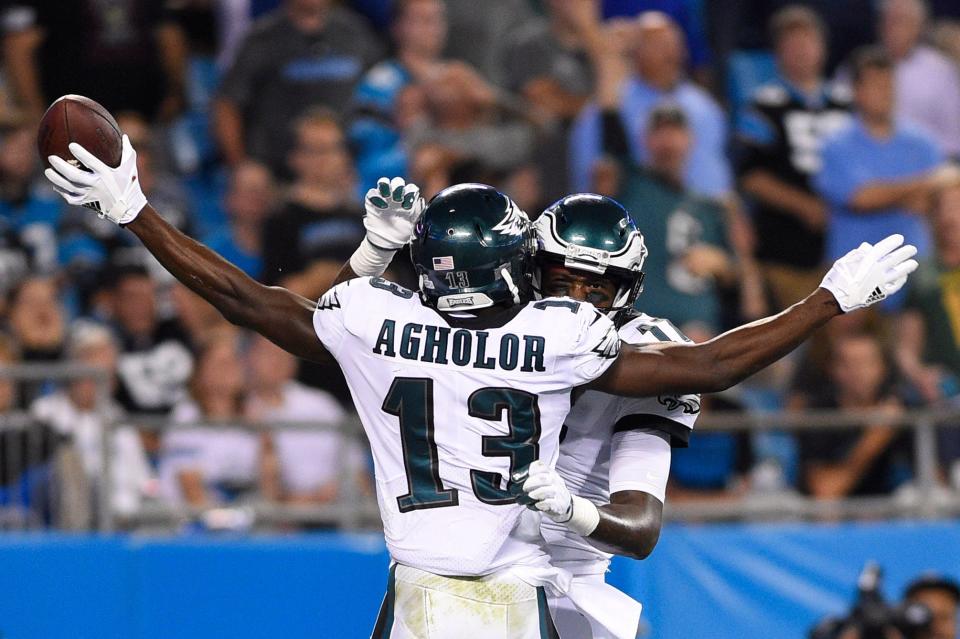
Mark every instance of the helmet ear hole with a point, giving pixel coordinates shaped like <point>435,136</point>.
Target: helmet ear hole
<point>450,231</point>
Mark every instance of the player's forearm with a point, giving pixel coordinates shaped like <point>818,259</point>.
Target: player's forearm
<point>223,285</point>
<point>630,529</point>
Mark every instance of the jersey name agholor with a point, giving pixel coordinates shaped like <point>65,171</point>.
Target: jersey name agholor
<point>452,412</point>
<point>591,431</point>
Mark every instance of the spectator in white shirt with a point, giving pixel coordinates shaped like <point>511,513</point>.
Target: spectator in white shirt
<point>928,83</point>
<point>308,464</point>
<point>74,412</point>
<point>212,459</point>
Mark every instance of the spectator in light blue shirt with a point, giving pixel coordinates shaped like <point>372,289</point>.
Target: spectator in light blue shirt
<point>878,172</point>
<point>419,31</point>
<point>249,199</point>
<point>660,60</point>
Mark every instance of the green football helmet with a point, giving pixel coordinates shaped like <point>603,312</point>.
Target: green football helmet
<point>594,233</point>
<point>473,248</point>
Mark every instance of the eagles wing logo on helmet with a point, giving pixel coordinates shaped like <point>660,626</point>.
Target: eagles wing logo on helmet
<point>513,222</point>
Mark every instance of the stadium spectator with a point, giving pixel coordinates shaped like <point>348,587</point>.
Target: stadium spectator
<point>381,102</point>
<point>878,171</point>
<point>927,83</point>
<point>838,463</point>
<point>306,54</point>
<point>941,596</point>
<point>945,35</point>
<point>131,56</point>
<point>250,198</point>
<point>778,139</point>
<point>928,330</point>
<point>29,212</point>
<point>479,32</point>
<point>319,225</point>
<point>37,323</point>
<point>155,358</point>
<point>546,62</point>
<point>685,233</point>
<point>465,127</point>
<point>75,414</point>
<point>203,464</point>
<point>309,464</point>
<point>656,50</point>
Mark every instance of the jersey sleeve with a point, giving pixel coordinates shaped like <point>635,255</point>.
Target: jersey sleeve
<point>639,462</point>
<point>596,346</point>
<point>330,316</point>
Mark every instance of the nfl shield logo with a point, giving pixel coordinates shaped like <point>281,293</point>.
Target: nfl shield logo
<point>443,263</point>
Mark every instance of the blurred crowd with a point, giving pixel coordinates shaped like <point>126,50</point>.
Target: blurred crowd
<point>754,142</point>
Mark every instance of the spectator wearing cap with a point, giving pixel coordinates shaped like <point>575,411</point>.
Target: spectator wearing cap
<point>685,233</point>
<point>778,141</point>
<point>927,83</point>
<point>941,596</point>
<point>653,46</point>
<point>74,412</point>
<point>878,171</point>
<point>307,53</point>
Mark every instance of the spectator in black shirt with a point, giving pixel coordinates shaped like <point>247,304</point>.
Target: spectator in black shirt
<point>155,358</point>
<point>320,224</point>
<point>779,138</point>
<point>839,463</point>
<point>127,55</point>
<point>305,54</point>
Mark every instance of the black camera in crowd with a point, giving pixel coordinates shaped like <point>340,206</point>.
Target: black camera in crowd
<point>871,617</point>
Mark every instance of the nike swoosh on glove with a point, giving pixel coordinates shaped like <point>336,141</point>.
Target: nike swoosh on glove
<point>870,273</point>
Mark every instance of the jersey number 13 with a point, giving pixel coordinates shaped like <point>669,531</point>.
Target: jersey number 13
<point>411,400</point>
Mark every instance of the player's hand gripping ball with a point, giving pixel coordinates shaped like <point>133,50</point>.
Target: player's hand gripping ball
<point>392,211</point>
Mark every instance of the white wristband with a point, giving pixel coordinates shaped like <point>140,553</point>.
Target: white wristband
<point>585,517</point>
<point>370,260</point>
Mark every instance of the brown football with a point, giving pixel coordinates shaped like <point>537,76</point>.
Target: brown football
<point>74,118</point>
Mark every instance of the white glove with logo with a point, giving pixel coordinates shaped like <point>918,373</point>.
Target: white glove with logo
<point>868,274</point>
<point>392,211</point>
<point>551,496</point>
<point>113,193</point>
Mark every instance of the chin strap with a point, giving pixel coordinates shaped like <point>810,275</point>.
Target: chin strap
<point>505,274</point>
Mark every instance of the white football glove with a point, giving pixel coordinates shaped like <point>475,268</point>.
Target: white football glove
<point>868,274</point>
<point>114,194</point>
<point>392,211</point>
<point>550,495</point>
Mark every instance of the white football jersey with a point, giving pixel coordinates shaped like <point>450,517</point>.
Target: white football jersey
<point>590,432</point>
<point>451,410</point>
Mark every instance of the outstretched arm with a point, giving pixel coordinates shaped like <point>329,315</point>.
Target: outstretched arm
<point>863,277</point>
<point>279,315</point>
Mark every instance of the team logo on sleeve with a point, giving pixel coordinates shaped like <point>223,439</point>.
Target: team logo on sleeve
<point>609,346</point>
<point>689,403</point>
<point>329,301</point>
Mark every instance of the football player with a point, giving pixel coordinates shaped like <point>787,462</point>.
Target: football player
<point>467,381</point>
<point>614,451</point>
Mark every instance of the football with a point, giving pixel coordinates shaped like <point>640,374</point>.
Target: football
<point>75,118</point>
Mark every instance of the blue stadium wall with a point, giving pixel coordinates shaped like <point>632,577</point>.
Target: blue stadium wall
<point>702,581</point>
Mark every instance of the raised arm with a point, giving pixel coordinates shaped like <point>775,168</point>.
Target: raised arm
<point>279,315</point>
<point>862,277</point>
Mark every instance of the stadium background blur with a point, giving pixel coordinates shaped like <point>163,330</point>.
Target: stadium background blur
<point>751,149</point>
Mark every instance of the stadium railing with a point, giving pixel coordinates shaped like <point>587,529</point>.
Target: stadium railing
<point>354,508</point>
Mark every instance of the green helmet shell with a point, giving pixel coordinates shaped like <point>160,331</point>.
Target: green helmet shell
<point>594,233</point>
<point>473,248</point>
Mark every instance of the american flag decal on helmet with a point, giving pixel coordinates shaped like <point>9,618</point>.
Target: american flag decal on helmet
<point>444,263</point>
